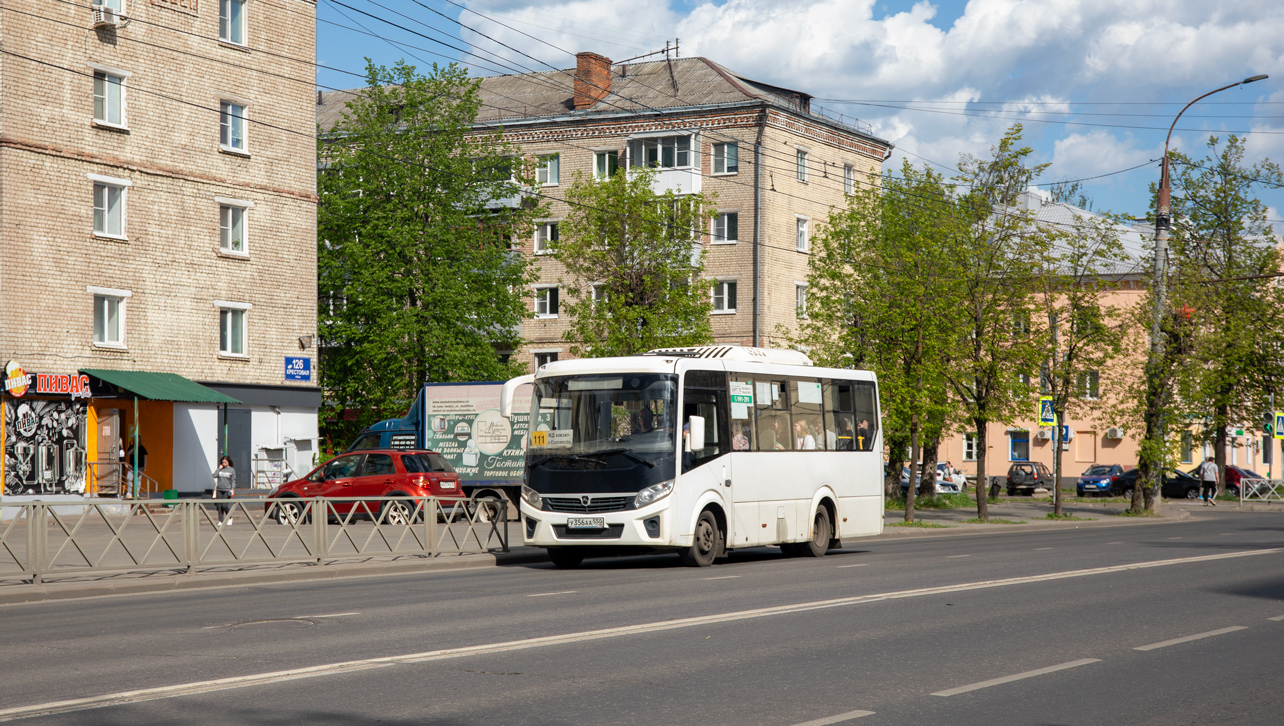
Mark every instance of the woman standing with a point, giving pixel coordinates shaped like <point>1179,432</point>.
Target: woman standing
<point>224,483</point>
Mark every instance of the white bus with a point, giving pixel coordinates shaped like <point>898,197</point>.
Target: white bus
<point>699,451</point>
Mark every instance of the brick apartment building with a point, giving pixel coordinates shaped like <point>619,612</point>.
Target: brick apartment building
<point>158,238</point>
<point>775,166</point>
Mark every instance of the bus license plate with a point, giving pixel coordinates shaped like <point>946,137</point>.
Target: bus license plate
<point>586,523</point>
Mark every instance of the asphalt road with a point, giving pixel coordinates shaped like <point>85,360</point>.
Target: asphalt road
<point>1174,623</point>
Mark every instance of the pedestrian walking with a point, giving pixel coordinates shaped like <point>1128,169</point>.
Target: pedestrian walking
<point>224,486</point>
<point>136,458</point>
<point>1208,473</point>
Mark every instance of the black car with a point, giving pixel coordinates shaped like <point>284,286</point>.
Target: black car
<point>1026,476</point>
<point>1177,484</point>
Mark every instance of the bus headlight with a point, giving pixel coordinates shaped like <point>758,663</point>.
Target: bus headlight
<point>532,497</point>
<point>654,493</point>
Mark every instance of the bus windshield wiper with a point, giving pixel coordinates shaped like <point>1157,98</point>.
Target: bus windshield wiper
<point>563,457</point>
<point>626,453</point>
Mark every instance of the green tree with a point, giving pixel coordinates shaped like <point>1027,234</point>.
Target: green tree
<point>1079,333</point>
<point>996,253</point>
<point>881,298</point>
<point>1225,255</point>
<point>635,260</point>
<point>416,279</point>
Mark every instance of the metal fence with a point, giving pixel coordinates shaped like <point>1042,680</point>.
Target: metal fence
<point>46,539</point>
<point>1261,490</point>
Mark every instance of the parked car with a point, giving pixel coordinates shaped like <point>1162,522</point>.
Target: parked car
<point>1096,480</point>
<point>954,476</point>
<point>1177,484</point>
<point>370,473</point>
<point>1026,476</point>
<point>1236,474</point>
<point>943,485</point>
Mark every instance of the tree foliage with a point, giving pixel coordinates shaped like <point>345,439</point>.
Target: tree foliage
<point>635,263</point>
<point>416,280</point>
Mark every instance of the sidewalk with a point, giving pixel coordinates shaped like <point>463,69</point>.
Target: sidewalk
<point>1033,515</point>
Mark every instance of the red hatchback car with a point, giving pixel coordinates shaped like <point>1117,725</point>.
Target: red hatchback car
<point>371,473</point>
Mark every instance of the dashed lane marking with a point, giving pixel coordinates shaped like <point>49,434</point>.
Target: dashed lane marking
<point>724,577</point>
<point>953,557</point>
<point>1188,638</point>
<point>332,615</point>
<point>550,594</point>
<point>1016,677</point>
<point>1277,618</point>
<point>1040,549</point>
<point>325,669</point>
<point>860,565</point>
<point>836,719</point>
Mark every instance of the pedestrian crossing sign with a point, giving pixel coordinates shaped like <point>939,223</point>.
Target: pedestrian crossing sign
<point>1279,421</point>
<point>1046,415</point>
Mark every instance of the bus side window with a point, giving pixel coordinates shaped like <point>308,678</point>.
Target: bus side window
<point>840,412</point>
<point>706,395</point>
<point>808,428</point>
<point>866,415</point>
<point>742,429</point>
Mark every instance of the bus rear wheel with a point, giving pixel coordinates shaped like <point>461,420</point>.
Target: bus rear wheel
<point>821,532</point>
<point>707,544</point>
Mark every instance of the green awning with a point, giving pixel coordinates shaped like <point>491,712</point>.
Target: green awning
<point>160,386</point>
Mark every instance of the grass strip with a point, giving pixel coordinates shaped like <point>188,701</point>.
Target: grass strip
<point>991,520</point>
<point>920,524</point>
<point>1068,518</point>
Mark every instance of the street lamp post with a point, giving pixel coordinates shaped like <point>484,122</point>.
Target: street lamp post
<point>1163,221</point>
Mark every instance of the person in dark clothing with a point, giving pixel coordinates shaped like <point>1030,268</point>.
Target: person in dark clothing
<point>136,448</point>
<point>224,484</point>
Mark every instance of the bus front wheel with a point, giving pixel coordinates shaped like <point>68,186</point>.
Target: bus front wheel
<point>707,544</point>
<point>565,557</point>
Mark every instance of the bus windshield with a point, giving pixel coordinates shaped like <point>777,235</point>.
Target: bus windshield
<point>622,423</point>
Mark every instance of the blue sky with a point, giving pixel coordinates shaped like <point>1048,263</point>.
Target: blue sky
<point>1095,82</point>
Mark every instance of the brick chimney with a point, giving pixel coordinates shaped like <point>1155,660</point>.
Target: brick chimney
<point>592,79</point>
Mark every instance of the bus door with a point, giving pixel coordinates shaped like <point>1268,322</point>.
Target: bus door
<point>704,394</point>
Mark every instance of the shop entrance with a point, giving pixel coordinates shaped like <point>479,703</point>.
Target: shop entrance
<point>237,444</point>
<point>107,458</point>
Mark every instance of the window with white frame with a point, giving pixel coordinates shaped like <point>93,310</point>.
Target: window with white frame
<point>1087,384</point>
<point>969,447</point>
<point>109,206</point>
<point>849,180</point>
<point>545,235</point>
<point>548,169</point>
<point>231,21</point>
<point>802,236</point>
<point>726,158</point>
<point>545,358</point>
<point>726,228</point>
<point>800,299</point>
<point>664,152</point>
<point>232,329</point>
<point>802,165</point>
<point>232,126</point>
<point>605,163</point>
<point>109,98</point>
<point>724,296</point>
<point>1018,445</point>
<point>597,291</point>
<point>109,316</point>
<point>546,301</point>
<point>233,225</point>
<point>117,5</point>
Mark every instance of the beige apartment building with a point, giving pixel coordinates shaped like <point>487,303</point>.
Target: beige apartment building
<point>158,241</point>
<point>773,163</point>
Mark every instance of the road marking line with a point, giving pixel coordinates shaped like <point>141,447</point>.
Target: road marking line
<point>724,577</point>
<point>860,565</point>
<point>1174,538</point>
<point>333,615</point>
<point>547,594</point>
<point>836,719</point>
<point>1277,618</point>
<point>183,689</point>
<point>1017,677</point>
<point>1040,549</point>
<point>951,557</point>
<point>1189,638</point>
<point>1114,543</point>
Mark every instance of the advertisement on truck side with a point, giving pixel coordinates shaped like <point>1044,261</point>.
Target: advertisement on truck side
<point>462,422</point>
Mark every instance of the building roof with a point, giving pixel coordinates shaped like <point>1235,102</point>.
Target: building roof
<point>664,85</point>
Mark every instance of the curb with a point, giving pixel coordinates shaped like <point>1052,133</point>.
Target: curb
<point>17,594</point>
<point>955,529</point>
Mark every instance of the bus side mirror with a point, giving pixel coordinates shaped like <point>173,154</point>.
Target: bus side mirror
<point>695,441</point>
<point>506,393</point>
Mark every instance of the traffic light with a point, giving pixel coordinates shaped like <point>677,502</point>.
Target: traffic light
<point>1268,423</point>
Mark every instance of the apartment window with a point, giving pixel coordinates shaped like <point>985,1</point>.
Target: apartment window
<point>233,225</point>
<point>109,99</point>
<point>726,158</point>
<point>726,228</point>
<point>109,316</point>
<point>548,170</point>
<point>1087,384</point>
<point>849,180</point>
<point>598,292</point>
<point>605,163</point>
<point>232,328</point>
<point>665,152</point>
<point>800,299</point>
<point>117,5</point>
<point>1187,447</point>
<point>546,302</point>
<point>545,235</point>
<point>724,296</point>
<point>802,237</point>
<point>231,21</point>
<point>109,206</point>
<point>1019,445</point>
<point>232,126</point>
<point>969,447</point>
<point>802,165</point>
<point>545,358</point>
